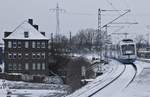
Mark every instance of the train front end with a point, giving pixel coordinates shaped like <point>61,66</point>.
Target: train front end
<point>127,51</point>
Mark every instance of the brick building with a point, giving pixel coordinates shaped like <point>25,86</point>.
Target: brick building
<point>26,50</point>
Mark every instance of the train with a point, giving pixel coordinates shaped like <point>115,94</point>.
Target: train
<point>126,51</point>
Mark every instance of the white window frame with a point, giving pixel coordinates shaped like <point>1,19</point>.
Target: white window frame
<point>9,44</point>
<point>33,56</point>
<point>38,44</point>
<point>19,66</point>
<point>14,44</point>
<point>33,66</point>
<point>26,44</point>
<point>26,55</point>
<point>10,56</point>
<point>10,66</point>
<point>38,66</point>
<point>14,66</point>
<point>43,44</point>
<point>19,44</point>
<point>19,55</point>
<point>38,55</point>
<point>33,44</point>
<point>43,55</point>
<point>43,66</point>
<point>26,66</point>
<point>14,54</point>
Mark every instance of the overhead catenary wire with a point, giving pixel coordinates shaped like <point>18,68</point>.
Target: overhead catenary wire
<point>111,4</point>
<point>116,18</point>
<point>80,13</point>
<point>125,3</point>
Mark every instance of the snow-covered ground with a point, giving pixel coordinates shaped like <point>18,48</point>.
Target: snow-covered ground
<point>100,81</point>
<point>118,84</point>
<point>141,85</point>
<point>37,93</point>
<point>25,89</point>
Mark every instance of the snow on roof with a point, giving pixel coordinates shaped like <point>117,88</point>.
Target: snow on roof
<point>33,34</point>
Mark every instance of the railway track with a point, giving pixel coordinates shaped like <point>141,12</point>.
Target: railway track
<point>101,81</point>
<point>108,83</point>
<point>117,78</point>
<point>135,68</point>
<point>104,85</point>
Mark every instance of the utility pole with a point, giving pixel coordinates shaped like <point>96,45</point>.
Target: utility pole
<point>70,42</point>
<point>52,44</point>
<point>99,32</point>
<point>106,44</point>
<point>148,27</point>
<point>99,45</point>
<point>57,10</point>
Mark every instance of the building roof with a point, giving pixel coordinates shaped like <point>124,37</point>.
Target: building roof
<point>33,34</point>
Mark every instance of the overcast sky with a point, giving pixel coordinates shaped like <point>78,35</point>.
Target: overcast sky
<point>80,14</point>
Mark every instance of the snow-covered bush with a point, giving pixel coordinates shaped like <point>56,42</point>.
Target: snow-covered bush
<point>26,77</point>
<point>53,80</point>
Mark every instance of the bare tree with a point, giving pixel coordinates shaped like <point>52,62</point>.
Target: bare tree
<point>140,42</point>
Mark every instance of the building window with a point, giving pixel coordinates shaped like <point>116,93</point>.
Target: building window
<point>14,44</point>
<point>14,66</point>
<point>26,44</point>
<point>38,66</point>
<point>14,55</point>
<point>43,45</point>
<point>38,56</point>
<point>9,56</point>
<point>9,44</point>
<point>10,67</point>
<point>19,67</point>
<point>19,55</point>
<point>19,44</point>
<point>43,66</point>
<point>38,44</point>
<point>49,46</point>
<point>26,66</point>
<point>26,34</point>
<point>43,55</point>
<point>33,56</point>
<point>33,66</point>
<point>33,44</point>
<point>26,55</point>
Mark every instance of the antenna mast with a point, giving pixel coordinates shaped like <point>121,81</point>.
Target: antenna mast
<point>57,10</point>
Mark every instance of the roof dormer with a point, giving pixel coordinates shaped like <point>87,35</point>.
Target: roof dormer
<point>26,34</point>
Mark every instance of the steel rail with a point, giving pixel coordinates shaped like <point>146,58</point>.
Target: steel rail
<point>108,83</point>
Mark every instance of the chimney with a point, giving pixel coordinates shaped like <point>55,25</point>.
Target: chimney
<point>36,27</point>
<point>43,33</point>
<point>30,21</point>
<point>6,34</point>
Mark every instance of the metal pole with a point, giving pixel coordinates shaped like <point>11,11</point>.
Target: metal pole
<point>99,33</point>
<point>70,43</point>
<point>99,41</point>
<point>106,37</point>
<point>57,24</point>
<point>57,10</point>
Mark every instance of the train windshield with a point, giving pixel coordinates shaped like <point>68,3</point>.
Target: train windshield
<point>128,49</point>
